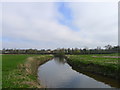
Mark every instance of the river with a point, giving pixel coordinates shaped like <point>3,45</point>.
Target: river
<point>57,73</point>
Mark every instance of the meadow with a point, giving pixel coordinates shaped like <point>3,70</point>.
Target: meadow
<point>0,71</point>
<point>104,64</point>
<point>19,71</point>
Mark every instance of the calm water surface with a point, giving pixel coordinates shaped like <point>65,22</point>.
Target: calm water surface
<point>57,73</point>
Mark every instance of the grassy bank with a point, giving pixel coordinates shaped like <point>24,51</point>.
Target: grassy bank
<point>0,72</point>
<point>103,64</point>
<point>20,71</point>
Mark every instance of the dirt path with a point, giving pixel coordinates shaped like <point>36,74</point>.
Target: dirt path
<point>108,56</point>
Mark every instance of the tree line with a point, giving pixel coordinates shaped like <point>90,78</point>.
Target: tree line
<point>108,49</point>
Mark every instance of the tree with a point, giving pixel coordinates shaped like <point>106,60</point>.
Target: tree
<point>60,53</point>
<point>108,47</point>
<point>76,51</point>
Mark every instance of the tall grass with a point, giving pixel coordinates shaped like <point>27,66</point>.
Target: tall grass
<point>14,70</point>
<point>0,71</point>
<point>99,64</point>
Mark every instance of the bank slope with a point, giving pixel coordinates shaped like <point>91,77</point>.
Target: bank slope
<point>20,71</point>
<point>106,65</point>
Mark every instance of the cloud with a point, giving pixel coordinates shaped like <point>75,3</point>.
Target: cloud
<point>36,25</point>
<point>97,22</point>
<point>0,26</point>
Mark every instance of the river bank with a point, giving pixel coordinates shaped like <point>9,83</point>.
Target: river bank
<point>57,73</point>
<point>20,71</point>
<point>98,64</point>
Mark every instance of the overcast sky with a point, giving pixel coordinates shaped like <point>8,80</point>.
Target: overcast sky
<point>59,24</point>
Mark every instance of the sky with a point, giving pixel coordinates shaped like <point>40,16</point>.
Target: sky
<point>59,24</point>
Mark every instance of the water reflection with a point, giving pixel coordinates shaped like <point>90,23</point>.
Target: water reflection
<point>60,60</point>
<point>57,73</point>
<point>106,80</point>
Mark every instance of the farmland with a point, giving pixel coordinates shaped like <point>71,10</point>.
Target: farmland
<point>104,64</point>
<point>19,71</point>
<point>0,71</point>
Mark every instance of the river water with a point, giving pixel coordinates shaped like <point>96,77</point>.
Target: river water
<point>57,73</point>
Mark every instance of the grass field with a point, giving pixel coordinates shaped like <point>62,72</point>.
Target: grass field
<point>105,64</point>
<point>19,71</point>
<point>16,70</point>
<point>0,71</point>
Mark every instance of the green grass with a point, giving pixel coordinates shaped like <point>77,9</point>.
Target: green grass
<point>10,62</point>
<point>0,71</point>
<point>14,74</point>
<point>96,60</point>
<point>96,63</point>
<point>9,65</point>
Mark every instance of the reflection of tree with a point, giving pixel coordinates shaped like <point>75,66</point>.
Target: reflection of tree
<point>60,60</point>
